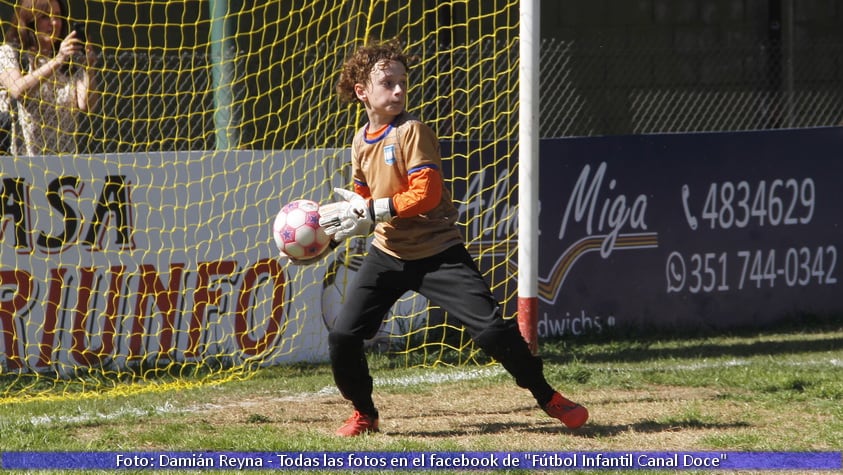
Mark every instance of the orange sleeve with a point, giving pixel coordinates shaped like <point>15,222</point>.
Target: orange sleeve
<point>362,189</point>
<point>423,194</point>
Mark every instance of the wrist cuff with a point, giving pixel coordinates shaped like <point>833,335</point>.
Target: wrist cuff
<point>381,210</point>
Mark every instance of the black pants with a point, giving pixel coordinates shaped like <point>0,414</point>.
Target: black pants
<point>450,280</point>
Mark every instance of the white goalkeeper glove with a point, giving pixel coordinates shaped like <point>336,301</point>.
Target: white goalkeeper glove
<point>353,215</point>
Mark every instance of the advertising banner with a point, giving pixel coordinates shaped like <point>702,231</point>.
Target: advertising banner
<point>110,259</point>
<point>684,231</point>
<point>107,259</point>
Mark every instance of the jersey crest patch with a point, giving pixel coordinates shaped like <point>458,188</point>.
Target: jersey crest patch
<point>389,154</point>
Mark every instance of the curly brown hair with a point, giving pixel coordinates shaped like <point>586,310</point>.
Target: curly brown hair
<point>359,65</point>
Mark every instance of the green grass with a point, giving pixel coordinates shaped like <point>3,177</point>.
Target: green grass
<point>778,391</point>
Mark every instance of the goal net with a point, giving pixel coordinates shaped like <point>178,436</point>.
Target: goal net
<point>148,255</point>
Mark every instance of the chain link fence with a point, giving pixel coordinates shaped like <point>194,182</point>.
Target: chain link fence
<point>164,103</point>
<point>599,90</point>
<point>153,102</point>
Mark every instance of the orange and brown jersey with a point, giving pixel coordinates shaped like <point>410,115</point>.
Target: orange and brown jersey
<point>403,163</point>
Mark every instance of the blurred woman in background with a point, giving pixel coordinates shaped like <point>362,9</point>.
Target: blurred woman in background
<point>45,70</point>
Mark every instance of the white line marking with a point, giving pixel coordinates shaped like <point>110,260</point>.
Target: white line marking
<point>433,377</point>
<point>167,408</point>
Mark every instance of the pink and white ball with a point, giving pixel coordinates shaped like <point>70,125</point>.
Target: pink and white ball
<point>297,232</point>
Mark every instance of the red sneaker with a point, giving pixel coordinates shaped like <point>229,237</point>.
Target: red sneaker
<point>358,424</point>
<point>570,413</point>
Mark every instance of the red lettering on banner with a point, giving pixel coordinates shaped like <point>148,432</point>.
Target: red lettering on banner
<point>254,346</point>
<point>166,301</point>
<point>81,350</point>
<point>84,330</point>
<point>203,297</point>
<point>12,307</point>
<point>48,338</point>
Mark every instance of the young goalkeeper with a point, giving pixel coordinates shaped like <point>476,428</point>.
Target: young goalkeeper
<point>399,190</point>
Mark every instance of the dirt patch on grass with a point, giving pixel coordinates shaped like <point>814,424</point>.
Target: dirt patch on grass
<point>656,418</point>
<point>494,416</point>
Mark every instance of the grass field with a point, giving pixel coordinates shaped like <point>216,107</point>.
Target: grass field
<point>774,391</point>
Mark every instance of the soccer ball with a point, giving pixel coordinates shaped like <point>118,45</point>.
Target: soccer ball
<point>297,232</point>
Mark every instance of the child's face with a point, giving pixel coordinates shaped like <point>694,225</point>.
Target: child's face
<point>385,92</point>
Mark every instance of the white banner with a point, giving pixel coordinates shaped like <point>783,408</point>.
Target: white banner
<point>110,259</point>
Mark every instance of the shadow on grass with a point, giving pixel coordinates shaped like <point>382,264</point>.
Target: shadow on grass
<point>703,350</point>
<point>461,425</point>
<point>650,427</point>
<point>590,430</point>
<point>808,340</point>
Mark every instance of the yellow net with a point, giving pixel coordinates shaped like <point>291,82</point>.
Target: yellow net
<point>145,259</point>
